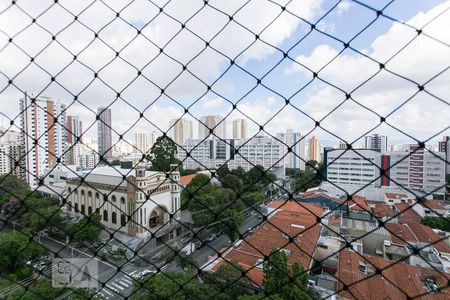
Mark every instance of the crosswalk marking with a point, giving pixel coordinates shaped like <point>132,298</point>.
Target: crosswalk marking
<point>112,288</point>
<point>118,286</point>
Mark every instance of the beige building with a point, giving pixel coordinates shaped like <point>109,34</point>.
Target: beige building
<point>133,201</point>
<point>239,129</point>
<point>314,149</point>
<point>181,130</point>
<point>215,123</point>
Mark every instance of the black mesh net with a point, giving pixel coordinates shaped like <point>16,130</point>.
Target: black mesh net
<point>224,149</point>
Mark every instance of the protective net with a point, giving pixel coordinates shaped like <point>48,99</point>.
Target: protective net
<point>106,192</point>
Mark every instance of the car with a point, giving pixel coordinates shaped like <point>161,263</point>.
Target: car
<point>146,272</point>
<point>211,238</point>
<point>199,244</point>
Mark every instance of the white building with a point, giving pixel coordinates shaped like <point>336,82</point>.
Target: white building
<point>415,168</point>
<point>139,206</point>
<point>45,140</point>
<point>180,130</point>
<point>294,159</point>
<point>142,142</point>
<point>11,161</point>
<point>213,153</point>
<point>215,123</point>
<point>376,142</point>
<point>356,167</point>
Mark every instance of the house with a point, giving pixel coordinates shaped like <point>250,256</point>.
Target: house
<point>358,279</point>
<point>292,227</point>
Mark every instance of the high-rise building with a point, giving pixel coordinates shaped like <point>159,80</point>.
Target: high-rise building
<point>376,142</point>
<point>314,149</point>
<point>444,146</point>
<point>74,135</point>
<point>44,138</point>
<point>180,130</point>
<point>239,129</point>
<point>142,142</point>
<point>104,131</point>
<point>74,130</point>
<point>215,123</point>
<point>295,158</point>
<point>11,161</point>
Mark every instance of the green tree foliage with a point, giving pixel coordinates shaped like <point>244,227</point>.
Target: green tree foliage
<point>16,247</point>
<point>442,223</point>
<point>13,208</point>
<point>178,286</point>
<point>284,282</point>
<point>11,186</point>
<point>229,279</point>
<point>311,177</point>
<point>231,220</point>
<point>163,153</point>
<point>233,182</point>
<point>41,213</point>
<point>88,229</point>
<point>257,179</point>
<point>222,171</point>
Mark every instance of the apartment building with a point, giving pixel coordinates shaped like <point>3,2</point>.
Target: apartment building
<point>11,160</point>
<point>215,123</point>
<point>181,130</point>
<point>44,135</point>
<point>213,153</point>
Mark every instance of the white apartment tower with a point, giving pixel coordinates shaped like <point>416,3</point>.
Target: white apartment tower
<point>180,130</point>
<point>239,129</point>
<point>215,123</point>
<point>142,142</point>
<point>44,135</point>
<point>294,159</point>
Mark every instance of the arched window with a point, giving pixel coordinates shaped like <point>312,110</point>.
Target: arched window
<point>89,194</point>
<point>122,200</point>
<point>82,209</point>
<point>105,215</point>
<point>89,210</point>
<point>76,192</point>
<point>76,207</point>
<point>69,190</point>
<point>70,206</point>
<point>97,195</point>
<point>113,199</point>
<point>114,218</point>
<point>97,210</point>
<point>82,193</point>
<point>123,219</point>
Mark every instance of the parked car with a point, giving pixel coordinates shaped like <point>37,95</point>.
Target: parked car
<point>211,238</point>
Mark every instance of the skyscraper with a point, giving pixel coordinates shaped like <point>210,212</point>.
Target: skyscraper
<point>239,129</point>
<point>74,129</point>
<point>104,131</point>
<point>180,130</point>
<point>142,142</point>
<point>216,123</point>
<point>314,149</point>
<point>44,135</point>
<point>376,142</point>
<point>294,159</point>
<point>444,146</point>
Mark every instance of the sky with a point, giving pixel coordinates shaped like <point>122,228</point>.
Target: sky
<point>261,61</point>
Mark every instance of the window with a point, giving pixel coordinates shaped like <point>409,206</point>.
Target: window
<point>70,206</point>
<point>113,199</point>
<point>89,210</point>
<point>97,196</point>
<point>105,215</point>
<point>114,217</point>
<point>76,207</point>
<point>83,209</point>
<point>122,200</point>
<point>89,194</point>
<point>123,220</point>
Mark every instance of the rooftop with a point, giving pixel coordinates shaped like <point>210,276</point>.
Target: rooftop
<point>354,271</point>
<point>406,213</point>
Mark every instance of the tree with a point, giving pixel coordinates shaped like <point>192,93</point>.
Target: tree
<point>222,171</point>
<point>88,229</point>
<point>11,186</point>
<point>177,286</point>
<point>442,223</point>
<point>163,153</point>
<point>253,199</point>
<point>13,209</point>
<point>230,279</point>
<point>16,247</point>
<point>282,282</point>
<point>42,218</point>
<point>258,179</point>
<point>233,182</point>
<point>184,261</point>
<point>232,220</point>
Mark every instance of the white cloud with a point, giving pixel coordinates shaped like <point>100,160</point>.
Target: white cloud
<point>419,62</point>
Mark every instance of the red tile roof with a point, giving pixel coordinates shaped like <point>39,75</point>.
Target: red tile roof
<point>396,281</point>
<point>185,180</point>
<point>291,220</point>
<point>358,203</point>
<point>426,235</point>
<point>400,233</point>
<point>381,209</point>
<point>395,195</point>
<point>407,214</point>
<point>432,204</point>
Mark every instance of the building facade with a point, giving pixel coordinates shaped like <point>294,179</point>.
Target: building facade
<point>104,133</point>
<point>376,142</point>
<point>44,139</point>
<point>74,136</point>
<point>444,147</point>
<point>139,206</point>
<point>142,142</point>
<point>11,160</point>
<point>239,129</point>
<point>213,153</point>
<point>180,130</point>
<point>294,159</point>
<point>314,149</point>
<point>215,123</point>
